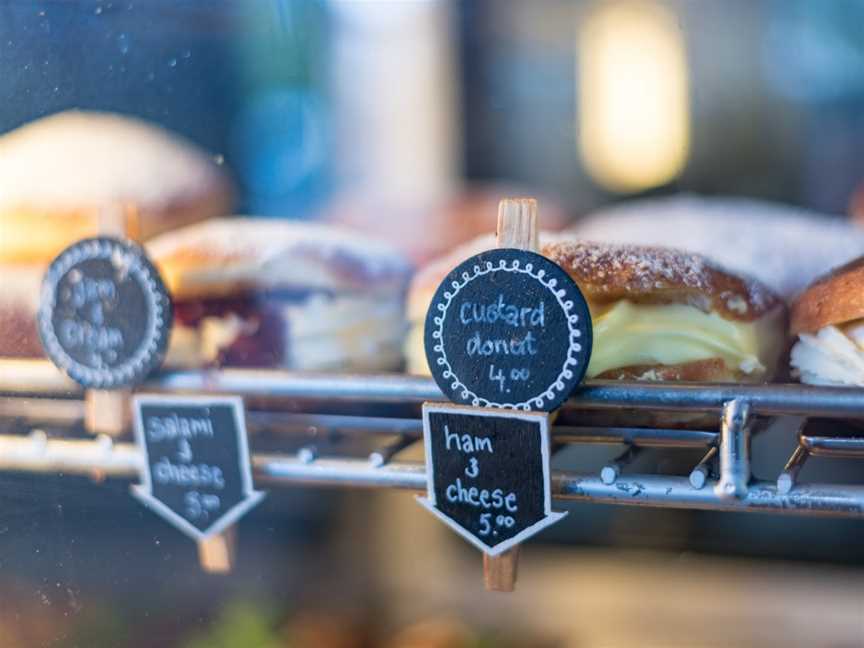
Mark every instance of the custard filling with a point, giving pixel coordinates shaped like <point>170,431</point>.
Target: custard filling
<point>628,334</point>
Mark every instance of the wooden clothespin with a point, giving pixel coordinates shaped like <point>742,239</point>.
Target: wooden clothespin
<point>109,411</point>
<point>517,228</point>
<point>216,553</point>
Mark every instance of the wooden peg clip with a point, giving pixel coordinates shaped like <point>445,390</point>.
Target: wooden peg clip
<point>117,221</point>
<point>517,224</point>
<point>500,572</point>
<point>517,228</point>
<point>109,411</point>
<point>216,553</point>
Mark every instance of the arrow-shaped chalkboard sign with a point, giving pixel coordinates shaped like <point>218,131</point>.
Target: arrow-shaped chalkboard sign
<point>488,473</point>
<point>196,471</point>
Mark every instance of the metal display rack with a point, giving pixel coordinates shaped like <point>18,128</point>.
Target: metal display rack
<point>40,418</point>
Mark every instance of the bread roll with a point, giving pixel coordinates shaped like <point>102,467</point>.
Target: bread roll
<point>59,175</point>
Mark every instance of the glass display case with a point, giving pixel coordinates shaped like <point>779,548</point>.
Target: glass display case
<point>580,278</point>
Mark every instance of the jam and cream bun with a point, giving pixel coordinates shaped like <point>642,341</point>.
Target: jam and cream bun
<point>828,320</point>
<point>275,293</point>
<point>658,314</point>
<point>62,176</point>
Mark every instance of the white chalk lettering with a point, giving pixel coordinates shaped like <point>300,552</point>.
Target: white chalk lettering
<point>473,468</point>
<point>201,505</point>
<point>167,428</point>
<point>478,346</point>
<point>516,374</point>
<point>195,475</point>
<point>467,443</point>
<point>75,334</point>
<point>89,290</point>
<point>481,498</point>
<point>499,310</point>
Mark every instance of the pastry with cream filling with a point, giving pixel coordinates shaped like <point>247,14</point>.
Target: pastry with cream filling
<point>828,320</point>
<point>273,293</point>
<point>658,314</point>
<point>63,177</point>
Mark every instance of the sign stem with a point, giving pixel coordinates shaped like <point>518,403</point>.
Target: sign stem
<point>517,228</point>
<point>107,411</point>
<point>499,572</point>
<point>216,553</point>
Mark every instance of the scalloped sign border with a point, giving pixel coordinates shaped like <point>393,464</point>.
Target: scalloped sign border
<point>149,353</point>
<point>564,293</point>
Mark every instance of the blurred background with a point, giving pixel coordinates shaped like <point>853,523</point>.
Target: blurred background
<point>409,105</point>
<point>410,119</point>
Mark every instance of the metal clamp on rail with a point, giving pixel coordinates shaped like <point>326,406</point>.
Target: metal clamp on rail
<point>734,450</point>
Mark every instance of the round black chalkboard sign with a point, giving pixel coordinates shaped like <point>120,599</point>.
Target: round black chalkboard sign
<point>104,314</point>
<point>508,328</point>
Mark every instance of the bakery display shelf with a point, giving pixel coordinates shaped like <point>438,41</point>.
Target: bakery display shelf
<point>305,428</point>
<point>41,378</point>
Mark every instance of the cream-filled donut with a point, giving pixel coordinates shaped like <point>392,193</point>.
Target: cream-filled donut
<point>657,313</point>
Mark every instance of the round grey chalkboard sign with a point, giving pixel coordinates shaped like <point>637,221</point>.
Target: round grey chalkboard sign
<point>508,328</point>
<point>104,315</point>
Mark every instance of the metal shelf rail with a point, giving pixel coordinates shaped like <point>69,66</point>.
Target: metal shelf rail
<point>286,402</point>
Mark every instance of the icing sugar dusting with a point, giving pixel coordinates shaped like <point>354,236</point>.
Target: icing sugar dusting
<point>270,241</point>
<point>643,269</point>
<point>609,267</point>
<point>784,247</point>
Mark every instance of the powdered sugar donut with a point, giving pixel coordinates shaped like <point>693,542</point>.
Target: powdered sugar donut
<point>784,247</point>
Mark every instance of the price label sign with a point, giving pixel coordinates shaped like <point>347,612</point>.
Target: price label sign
<point>104,315</point>
<point>509,329</point>
<point>196,472</point>
<point>488,473</point>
